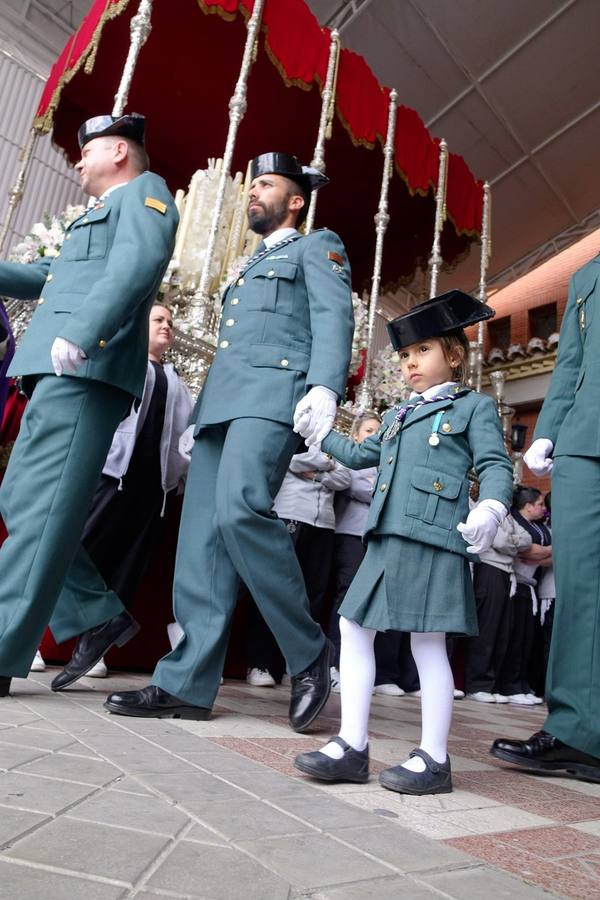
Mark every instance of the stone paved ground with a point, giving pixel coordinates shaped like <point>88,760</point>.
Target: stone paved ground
<point>100,807</point>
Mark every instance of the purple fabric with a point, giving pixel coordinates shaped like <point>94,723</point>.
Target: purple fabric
<point>4,363</point>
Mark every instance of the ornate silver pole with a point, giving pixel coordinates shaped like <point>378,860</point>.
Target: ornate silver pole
<point>15,194</point>
<point>365,394</point>
<point>140,28</point>
<point>200,303</point>
<point>435,260</point>
<point>325,121</point>
<point>486,252</point>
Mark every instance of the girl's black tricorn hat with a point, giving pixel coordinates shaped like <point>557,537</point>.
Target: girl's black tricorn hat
<point>130,126</point>
<point>437,316</point>
<point>277,163</point>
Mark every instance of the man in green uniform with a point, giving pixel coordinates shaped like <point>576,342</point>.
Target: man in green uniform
<point>83,359</point>
<point>282,356</point>
<point>567,442</point>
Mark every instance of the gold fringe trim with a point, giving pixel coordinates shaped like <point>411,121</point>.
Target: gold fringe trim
<point>44,123</point>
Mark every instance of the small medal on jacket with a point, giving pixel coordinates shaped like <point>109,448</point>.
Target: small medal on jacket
<point>434,437</point>
<point>433,440</point>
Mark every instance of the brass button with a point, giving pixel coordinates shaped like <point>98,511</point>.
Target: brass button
<point>240,281</point>
<point>49,277</point>
<point>102,344</point>
<point>390,460</point>
<point>40,301</point>
<point>223,344</point>
<point>68,236</point>
<point>235,301</point>
<point>579,300</point>
<point>270,273</point>
<point>285,362</point>
<point>85,221</point>
<point>383,487</point>
<point>230,322</point>
<point>447,427</point>
<point>437,485</point>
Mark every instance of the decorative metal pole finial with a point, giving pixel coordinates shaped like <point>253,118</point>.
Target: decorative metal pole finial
<point>486,251</point>
<point>200,302</point>
<point>365,394</point>
<point>140,28</point>
<point>325,121</point>
<point>436,260</point>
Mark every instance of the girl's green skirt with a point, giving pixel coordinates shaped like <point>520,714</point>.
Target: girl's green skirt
<point>405,585</point>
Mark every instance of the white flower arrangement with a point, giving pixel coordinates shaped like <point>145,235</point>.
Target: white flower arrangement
<point>46,237</point>
<point>389,387</point>
<point>359,339</point>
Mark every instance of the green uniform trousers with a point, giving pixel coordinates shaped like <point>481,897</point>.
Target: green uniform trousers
<point>45,497</point>
<point>573,680</point>
<point>228,530</point>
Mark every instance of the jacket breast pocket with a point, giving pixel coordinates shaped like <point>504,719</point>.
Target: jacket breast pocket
<point>275,356</point>
<point>432,496</point>
<point>272,288</point>
<point>88,238</point>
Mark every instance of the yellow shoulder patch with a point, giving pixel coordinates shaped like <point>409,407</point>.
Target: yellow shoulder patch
<point>158,205</point>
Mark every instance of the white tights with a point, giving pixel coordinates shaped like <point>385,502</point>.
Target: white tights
<point>357,677</point>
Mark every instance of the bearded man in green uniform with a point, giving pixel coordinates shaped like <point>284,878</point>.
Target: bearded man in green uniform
<point>282,359</point>
<point>83,361</point>
<point>567,443</point>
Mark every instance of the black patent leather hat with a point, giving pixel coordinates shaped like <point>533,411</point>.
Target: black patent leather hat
<point>130,126</point>
<point>437,316</point>
<point>276,163</point>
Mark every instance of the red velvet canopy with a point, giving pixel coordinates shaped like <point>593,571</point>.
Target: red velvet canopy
<point>185,77</point>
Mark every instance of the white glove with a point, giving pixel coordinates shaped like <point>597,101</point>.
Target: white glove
<point>66,356</point>
<point>186,442</point>
<point>315,414</point>
<point>538,459</point>
<point>482,524</point>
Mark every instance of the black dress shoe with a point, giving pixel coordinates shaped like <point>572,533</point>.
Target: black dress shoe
<point>545,753</point>
<point>353,766</point>
<point>436,779</point>
<point>92,645</point>
<point>152,702</point>
<point>4,685</point>
<point>310,690</point>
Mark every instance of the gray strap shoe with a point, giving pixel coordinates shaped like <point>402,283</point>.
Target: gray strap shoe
<point>436,779</point>
<point>353,766</point>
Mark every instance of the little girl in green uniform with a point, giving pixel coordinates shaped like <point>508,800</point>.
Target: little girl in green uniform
<point>415,575</point>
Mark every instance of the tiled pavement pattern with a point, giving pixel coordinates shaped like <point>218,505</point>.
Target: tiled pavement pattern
<point>100,807</point>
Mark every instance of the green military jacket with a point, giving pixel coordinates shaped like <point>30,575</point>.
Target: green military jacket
<point>97,292</point>
<point>569,415</point>
<point>286,325</point>
<point>422,491</point>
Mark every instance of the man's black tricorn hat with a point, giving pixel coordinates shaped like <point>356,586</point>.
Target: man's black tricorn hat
<point>130,126</point>
<point>437,316</point>
<point>308,178</point>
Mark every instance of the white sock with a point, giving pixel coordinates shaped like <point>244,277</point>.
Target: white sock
<point>437,695</point>
<point>357,677</point>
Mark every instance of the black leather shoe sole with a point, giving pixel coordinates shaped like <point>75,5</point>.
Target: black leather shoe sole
<point>326,773</point>
<point>5,685</point>
<point>64,679</point>
<point>197,713</point>
<point>577,770</point>
<point>417,784</point>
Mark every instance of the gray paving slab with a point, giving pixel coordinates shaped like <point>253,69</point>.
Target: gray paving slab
<point>484,881</point>
<point>199,870</point>
<point>144,813</point>
<point>46,795</point>
<point>393,888</point>
<point>12,755</point>
<point>246,819</point>
<point>91,849</point>
<point>269,785</point>
<point>12,713</point>
<point>17,822</point>
<point>328,813</point>
<point>220,760</point>
<point>130,786</point>
<point>403,849</point>
<point>73,768</point>
<point>313,860</point>
<point>25,736</point>
<point>19,882</point>
<point>192,787</point>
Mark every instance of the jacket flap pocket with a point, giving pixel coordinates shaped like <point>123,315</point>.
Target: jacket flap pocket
<point>435,482</point>
<point>91,217</point>
<point>276,357</point>
<point>276,268</point>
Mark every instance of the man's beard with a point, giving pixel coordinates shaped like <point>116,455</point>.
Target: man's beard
<point>267,219</point>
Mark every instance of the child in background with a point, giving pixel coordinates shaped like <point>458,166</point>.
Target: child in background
<point>415,575</point>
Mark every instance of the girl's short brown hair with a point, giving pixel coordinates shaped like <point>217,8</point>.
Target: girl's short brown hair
<point>363,416</point>
<point>455,344</point>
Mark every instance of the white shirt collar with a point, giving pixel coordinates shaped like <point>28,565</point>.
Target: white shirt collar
<point>93,200</point>
<point>280,235</point>
<point>442,388</point>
